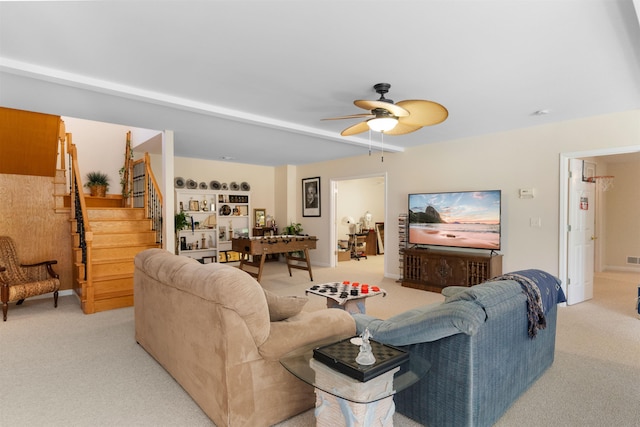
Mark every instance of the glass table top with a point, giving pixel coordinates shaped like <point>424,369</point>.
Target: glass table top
<point>301,363</point>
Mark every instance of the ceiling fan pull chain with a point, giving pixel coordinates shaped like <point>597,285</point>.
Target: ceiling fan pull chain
<point>369,142</point>
<point>382,147</point>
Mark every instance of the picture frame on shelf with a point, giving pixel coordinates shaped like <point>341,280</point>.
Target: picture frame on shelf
<point>194,205</point>
<point>260,217</point>
<point>311,197</point>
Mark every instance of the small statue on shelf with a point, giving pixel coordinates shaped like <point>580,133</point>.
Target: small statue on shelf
<point>365,356</point>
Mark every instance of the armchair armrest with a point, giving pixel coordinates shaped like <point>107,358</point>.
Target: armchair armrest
<point>424,324</point>
<point>304,329</point>
<point>28,268</point>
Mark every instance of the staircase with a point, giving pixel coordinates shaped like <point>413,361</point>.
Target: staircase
<point>118,235</point>
<point>108,232</point>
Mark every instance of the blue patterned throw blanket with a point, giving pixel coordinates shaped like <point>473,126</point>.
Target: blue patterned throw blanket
<point>542,289</point>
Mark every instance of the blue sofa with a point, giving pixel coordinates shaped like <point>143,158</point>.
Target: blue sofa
<point>486,344</point>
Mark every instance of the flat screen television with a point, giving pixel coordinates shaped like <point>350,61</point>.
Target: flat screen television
<point>465,219</point>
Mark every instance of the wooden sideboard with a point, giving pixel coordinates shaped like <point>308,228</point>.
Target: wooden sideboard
<point>433,270</point>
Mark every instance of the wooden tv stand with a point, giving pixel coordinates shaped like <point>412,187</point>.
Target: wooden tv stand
<point>433,270</point>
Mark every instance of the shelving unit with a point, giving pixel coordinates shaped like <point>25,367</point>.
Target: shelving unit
<point>216,217</point>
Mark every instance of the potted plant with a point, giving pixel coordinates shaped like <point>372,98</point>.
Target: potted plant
<point>98,183</point>
<point>181,221</point>
<point>294,229</point>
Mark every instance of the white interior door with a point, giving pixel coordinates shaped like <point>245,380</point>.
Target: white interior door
<point>581,236</point>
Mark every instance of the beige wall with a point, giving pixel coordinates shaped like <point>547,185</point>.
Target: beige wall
<point>29,218</point>
<point>260,178</point>
<point>525,158</point>
<point>101,147</point>
<point>357,196</point>
<point>622,216</point>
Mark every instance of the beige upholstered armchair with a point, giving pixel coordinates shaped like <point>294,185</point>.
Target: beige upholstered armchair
<point>20,281</point>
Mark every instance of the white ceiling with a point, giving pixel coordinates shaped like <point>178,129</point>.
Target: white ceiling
<point>251,80</point>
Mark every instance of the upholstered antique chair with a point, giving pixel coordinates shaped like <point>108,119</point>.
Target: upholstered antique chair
<point>20,281</point>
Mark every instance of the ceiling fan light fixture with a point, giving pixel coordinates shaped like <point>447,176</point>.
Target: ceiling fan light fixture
<point>382,124</point>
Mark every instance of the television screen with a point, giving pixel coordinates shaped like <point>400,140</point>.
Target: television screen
<point>467,219</point>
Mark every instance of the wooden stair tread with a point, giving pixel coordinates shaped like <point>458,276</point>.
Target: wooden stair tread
<point>112,260</point>
<point>114,294</point>
<point>121,245</point>
<point>113,277</point>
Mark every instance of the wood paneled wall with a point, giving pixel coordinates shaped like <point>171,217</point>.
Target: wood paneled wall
<point>27,214</point>
<point>28,142</point>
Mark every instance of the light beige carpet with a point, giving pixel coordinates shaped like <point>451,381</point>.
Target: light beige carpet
<point>59,367</point>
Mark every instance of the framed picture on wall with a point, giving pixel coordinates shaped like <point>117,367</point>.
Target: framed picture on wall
<point>311,196</point>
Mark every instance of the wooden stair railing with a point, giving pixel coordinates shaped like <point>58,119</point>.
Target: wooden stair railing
<point>146,193</point>
<point>80,214</point>
<point>126,180</point>
<point>140,188</point>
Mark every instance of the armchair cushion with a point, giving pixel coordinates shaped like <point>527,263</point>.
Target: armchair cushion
<point>26,290</point>
<point>283,307</point>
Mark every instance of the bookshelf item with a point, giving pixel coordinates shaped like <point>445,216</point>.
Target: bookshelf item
<point>402,241</point>
<point>214,218</point>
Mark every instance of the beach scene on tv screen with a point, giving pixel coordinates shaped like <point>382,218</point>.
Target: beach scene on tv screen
<point>466,219</point>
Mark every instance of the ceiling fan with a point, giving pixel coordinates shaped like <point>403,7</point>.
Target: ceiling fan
<point>394,119</point>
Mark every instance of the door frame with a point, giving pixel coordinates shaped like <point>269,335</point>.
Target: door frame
<point>564,200</point>
<point>333,207</point>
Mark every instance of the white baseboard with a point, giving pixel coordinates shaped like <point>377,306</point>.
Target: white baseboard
<point>63,293</point>
<point>624,269</point>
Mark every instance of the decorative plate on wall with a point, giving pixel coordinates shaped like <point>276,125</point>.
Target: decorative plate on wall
<point>204,186</point>
<point>234,186</point>
<point>179,182</point>
<point>225,186</point>
<point>245,186</point>
<point>215,185</point>
<point>191,184</point>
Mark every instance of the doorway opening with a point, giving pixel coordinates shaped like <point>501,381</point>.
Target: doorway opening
<point>567,252</point>
<point>357,203</point>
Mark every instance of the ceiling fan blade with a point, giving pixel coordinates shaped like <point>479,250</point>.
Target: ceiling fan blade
<point>423,113</point>
<point>352,116</point>
<point>402,128</point>
<point>355,129</point>
<point>394,109</point>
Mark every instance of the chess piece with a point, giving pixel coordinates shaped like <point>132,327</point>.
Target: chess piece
<point>365,356</point>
